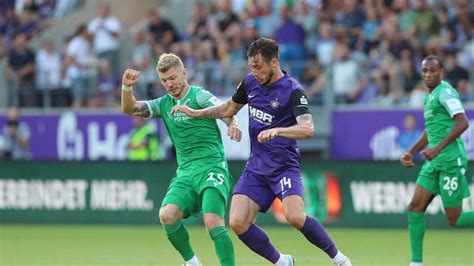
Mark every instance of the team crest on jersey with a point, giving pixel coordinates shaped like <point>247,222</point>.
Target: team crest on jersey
<point>431,98</point>
<point>275,103</point>
<point>303,100</point>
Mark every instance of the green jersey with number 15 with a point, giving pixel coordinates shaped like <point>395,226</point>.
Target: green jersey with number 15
<point>440,106</point>
<point>196,140</point>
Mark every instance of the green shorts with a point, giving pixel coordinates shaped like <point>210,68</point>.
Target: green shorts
<point>449,182</point>
<point>186,188</point>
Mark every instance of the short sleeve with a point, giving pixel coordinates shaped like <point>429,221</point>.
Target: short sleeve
<point>240,96</point>
<point>449,98</point>
<point>154,107</point>
<point>299,102</point>
<point>206,99</point>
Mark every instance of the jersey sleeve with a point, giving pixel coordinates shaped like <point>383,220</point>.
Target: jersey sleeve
<point>299,102</point>
<point>206,99</point>
<point>154,107</point>
<point>449,98</point>
<point>240,96</point>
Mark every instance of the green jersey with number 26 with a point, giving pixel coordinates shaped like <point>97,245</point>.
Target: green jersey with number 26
<point>440,106</point>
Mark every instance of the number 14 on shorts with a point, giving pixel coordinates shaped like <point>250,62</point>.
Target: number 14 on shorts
<point>285,183</point>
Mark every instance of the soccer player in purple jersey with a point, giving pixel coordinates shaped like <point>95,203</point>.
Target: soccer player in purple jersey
<point>278,116</point>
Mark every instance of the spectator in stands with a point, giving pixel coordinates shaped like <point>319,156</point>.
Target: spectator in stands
<point>8,23</point>
<point>161,31</point>
<point>105,30</point>
<point>409,134</point>
<point>370,33</point>
<point>224,16</point>
<point>80,63</point>
<point>457,76</point>
<point>417,96</point>
<point>291,37</point>
<point>143,143</point>
<point>425,22</point>
<point>48,72</point>
<point>326,44</point>
<point>16,137</point>
<point>314,80</point>
<point>19,72</point>
<point>352,18</point>
<point>348,83</point>
<point>197,27</point>
<point>107,85</point>
<point>143,61</point>
<point>409,78</point>
<point>406,17</point>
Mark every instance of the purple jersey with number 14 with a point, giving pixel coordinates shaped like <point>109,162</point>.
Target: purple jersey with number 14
<point>273,164</point>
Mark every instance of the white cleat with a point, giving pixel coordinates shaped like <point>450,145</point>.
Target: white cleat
<point>290,260</point>
<point>285,260</point>
<point>192,264</point>
<point>345,262</point>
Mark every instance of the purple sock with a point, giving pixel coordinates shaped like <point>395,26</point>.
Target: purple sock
<point>259,242</point>
<point>313,231</point>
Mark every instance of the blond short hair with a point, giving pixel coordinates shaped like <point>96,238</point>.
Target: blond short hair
<point>167,61</point>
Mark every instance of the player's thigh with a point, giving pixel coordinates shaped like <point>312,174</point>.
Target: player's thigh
<point>182,194</point>
<point>420,200</point>
<point>243,211</point>
<point>215,181</point>
<point>453,187</point>
<point>213,202</point>
<point>257,189</point>
<point>428,178</point>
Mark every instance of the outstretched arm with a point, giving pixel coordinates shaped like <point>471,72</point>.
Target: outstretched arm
<point>303,129</point>
<point>129,104</point>
<point>227,109</point>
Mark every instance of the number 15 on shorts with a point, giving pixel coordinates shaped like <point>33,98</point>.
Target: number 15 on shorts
<point>218,178</point>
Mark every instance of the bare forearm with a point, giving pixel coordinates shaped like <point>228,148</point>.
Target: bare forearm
<point>226,110</point>
<point>128,102</point>
<point>230,121</point>
<point>420,144</point>
<point>296,132</point>
<point>133,107</point>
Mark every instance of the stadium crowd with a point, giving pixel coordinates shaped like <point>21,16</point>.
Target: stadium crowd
<point>347,52</point>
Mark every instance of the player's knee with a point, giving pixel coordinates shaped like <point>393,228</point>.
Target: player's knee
<point>167,217</point>
<point>295,219</point>
<point>415,206</point>
<point>452,219</point>
<point>212,221</point>
<point>239,225</point>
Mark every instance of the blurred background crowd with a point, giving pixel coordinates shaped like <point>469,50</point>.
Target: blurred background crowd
<point>343,52</point>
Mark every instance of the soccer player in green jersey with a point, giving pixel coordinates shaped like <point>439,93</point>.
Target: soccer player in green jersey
<point>444,171</point>
<point>202,183</point>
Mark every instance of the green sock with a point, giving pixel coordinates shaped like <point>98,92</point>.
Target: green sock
<point>416,228</point>
<point>466,219</point>
<point>179,238</point>
<point>223,245</point>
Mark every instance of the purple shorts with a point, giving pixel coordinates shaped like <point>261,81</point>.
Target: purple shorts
<point>263,191</point>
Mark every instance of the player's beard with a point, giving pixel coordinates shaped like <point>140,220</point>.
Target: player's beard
<point>269,79</point>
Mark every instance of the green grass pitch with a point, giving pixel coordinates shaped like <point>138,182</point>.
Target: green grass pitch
<point>58,245</point>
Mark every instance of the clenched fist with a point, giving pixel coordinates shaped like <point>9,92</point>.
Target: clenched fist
<point>130,77</point>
